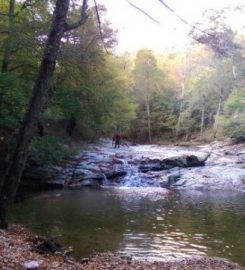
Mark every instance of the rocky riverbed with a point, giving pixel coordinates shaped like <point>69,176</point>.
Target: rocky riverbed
<point>135,168</point>
<point>216,166</point>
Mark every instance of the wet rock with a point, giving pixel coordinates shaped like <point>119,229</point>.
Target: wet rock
<point>117,161</point>
<point>84,174</point>
<point>56,184</point>
<point>180,183</point>
<point>240,139</point>
<point>150,165</point>
<point>39,173</point>
<point>42,177</point>
<point>45,246</point>
<point>172,179</point>
<point>114,170</point>
<point>86,183</point>
<point>169,163</point>
<point>88,180</point>
<point>115,174</point>
<point>164,184</point>
<point>214,178</point>
<point>31,265</point>
<point>194,161</point>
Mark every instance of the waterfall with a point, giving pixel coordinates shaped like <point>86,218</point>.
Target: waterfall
<point>105,181</point>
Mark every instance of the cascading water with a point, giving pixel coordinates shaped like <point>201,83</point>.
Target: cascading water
<point>132,178</point>
<point>105,181</point>
<point>123,168</point>
<point>139,218</point>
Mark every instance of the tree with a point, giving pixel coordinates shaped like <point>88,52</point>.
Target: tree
<point>163,112</point>
<point>8,40</point>
<point>146,80</point>
<point>234,115</point>
<point>90,83</point>
<point>191,76</point>
<point>221,39</point>
<point>15,168</point>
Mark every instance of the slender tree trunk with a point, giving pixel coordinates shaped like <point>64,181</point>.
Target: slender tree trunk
<point>188,134</point>
<point>9,40</point>
<point>180,110</point>
<point>234,71</point>
<point>17,164</point>
<point>202,120</point>
<point>202,115</point>
<point>217,116</point>
<point>148,120</point>
<point>181,96</point>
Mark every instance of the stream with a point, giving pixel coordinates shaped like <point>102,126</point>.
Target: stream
<point>132,214</point>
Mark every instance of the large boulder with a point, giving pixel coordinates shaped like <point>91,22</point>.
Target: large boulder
<point>150,165</point>
<point>42,177</point>
<point>213,178</point>
<point>169,163</point>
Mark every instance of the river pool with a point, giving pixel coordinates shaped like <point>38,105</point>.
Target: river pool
<point>146,223</point>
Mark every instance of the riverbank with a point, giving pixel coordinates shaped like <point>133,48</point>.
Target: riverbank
<point>19,250</point>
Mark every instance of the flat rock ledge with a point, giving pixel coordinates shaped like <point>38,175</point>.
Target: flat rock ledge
<point>18,252</point>
<point>183,161</point>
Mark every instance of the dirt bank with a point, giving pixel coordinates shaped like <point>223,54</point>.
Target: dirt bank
<point>18,247</point>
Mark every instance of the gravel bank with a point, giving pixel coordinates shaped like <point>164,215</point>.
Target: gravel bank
<point>18,250</point>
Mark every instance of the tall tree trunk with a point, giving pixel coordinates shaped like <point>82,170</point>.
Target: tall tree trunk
<point>217,116</point>
<point>148,120</point>
<point>234,71</point>
<point>181,95</point>
<point>202,120</point>
<point>180,109</point>
<point>202,115</point>
<point>17,164</point>
<point>9,40</point>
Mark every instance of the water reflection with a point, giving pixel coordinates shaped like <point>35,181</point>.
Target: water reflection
<point>141,222</point>
<point>164,246</point>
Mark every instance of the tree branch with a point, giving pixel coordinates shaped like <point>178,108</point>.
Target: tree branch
<point>182,19</point>
<point>82,20</point>
<point>5,32</point>
<point>25,5</point>
<point>22,65</point>
<point>99,25</point>
<point>142,11</point>
<point>5,14</point>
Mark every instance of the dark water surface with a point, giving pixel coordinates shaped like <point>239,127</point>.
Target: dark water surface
<point>141,222</point>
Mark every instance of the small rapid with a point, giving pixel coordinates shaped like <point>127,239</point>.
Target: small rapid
<point>143,166</point>
<point>146,202</point>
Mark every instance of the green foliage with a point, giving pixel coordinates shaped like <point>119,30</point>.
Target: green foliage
<point>147,76</point>
<point>99,103</point>
<point>48,150</point>
<point>234,114</point>
<point>169,91</point>
<point>14,95</point>
<point>88,83</point>
<point>163,112</point>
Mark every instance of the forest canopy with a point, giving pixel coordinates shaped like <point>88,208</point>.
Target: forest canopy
<point>195,93</point>
<point>61,80</point>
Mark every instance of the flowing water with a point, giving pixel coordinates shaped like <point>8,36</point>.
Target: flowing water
<point>141,222</point>
<point>134,216</point>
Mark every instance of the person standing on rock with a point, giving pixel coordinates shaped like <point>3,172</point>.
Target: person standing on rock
<point>117,139</point>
